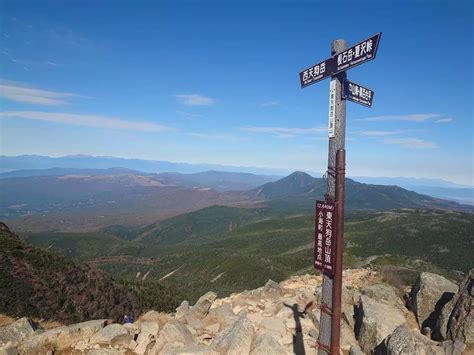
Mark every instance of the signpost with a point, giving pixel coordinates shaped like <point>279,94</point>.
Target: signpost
<point>357,93</point>
<point>325,237</point>
<point>331,211</point>
<point>317,72</point>
<point>360,53</point>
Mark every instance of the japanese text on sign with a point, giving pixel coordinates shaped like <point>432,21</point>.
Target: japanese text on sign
<point>358,54</point>
<point>316,73</point>
<point>325,237</point>
<point>332,109</point>
<point>357,93</point>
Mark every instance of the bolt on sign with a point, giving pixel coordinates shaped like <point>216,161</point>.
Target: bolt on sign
<point>357,93</point>
<point>325,237</point>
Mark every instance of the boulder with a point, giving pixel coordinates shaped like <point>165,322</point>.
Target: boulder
<point>173,331</point>
<point>8,349</point>
<point>356,350</point>
<point>144,343</point>
<point>213,328</point>
<point>382,292</point>
<point>348,340</point>
<point>404,340</point>
<point>222,314</point>
<point>272,288</point>
<point>375,320</point>
<point>180,349</point>
<point>349,295</point>
<point>182,310</point>
<point>105,351</point>
<point>275,325</point>
<point>17,331</point>
<point>265,344</point>
<point>457,317</point>
<point>61,338</point>
<point>348,316</point>
<point>154,316</point>
<point>428,296</point>
<point>203,304</point>
<point>113,334</point>
<point>149,328</point>
<point>237,338</point>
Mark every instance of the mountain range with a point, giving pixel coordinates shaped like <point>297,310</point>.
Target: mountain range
<point>75,199</point>
<point>37,165</point>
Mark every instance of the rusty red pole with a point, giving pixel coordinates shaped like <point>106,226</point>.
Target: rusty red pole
<point>337,285</point>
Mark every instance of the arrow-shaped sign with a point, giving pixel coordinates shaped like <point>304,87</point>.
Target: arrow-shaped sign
<point>360,53</point>
<point>357,93</point>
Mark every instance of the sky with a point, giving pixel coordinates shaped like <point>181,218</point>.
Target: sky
<point>217,82</point>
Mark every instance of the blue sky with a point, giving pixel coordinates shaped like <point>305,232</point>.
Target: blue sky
<point>217,82</point>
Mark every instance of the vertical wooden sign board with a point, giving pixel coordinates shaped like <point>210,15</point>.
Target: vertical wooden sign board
<point>325,237</point>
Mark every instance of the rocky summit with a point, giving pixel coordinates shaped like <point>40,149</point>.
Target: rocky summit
<point>434,317</point>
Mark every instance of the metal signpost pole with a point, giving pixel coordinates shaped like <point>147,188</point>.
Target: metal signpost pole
<point>329,246</point>
<point>328,309</point>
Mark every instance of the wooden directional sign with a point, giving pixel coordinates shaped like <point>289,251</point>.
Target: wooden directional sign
<point>317,72</point>
<point>357,93</point>
<point>360,53</point>
<point>325,237</point>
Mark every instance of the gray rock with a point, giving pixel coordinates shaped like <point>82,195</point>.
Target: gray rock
<point>382,292</point>
<point>405,341</point>
<point>348,316</point>
<point>401,341</point>
<point>457,317</point>
<point>222,314</point>
<point>350,295</point>
<point>428,296</point>
<point>182,310</point>
<point>347,339</point>
<point>17,331</point>
<point>144,343</point>
<point>375,320</point>
<point>61,338</point>
<point>237,338</point>
<point>113,334</point>
<point>105,351</point>
<point>272,288</point>
<point>8,350</point>
<point>149,328</point>
<point>265,344</point>
<point>173,331</point>
<point>179,349</point>
<point>201,308</point>
<point>356,350</point>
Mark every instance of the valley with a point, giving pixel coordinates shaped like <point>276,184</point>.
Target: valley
<point>184,233</point>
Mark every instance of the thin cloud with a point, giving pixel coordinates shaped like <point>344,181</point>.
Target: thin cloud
<point>86,120</point>
<point>18,93</point>
<point>284,132</point>
<point>188,115</point>
<point>421,117</point>
<point>195,100</point>
<point>414,143</point>
<point>378,133</point>
<point>444,120</point>
<point>270,103</point>
<point>211,136</point>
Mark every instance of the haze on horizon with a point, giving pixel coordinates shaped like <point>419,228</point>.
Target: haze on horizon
<point>217,83</point>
